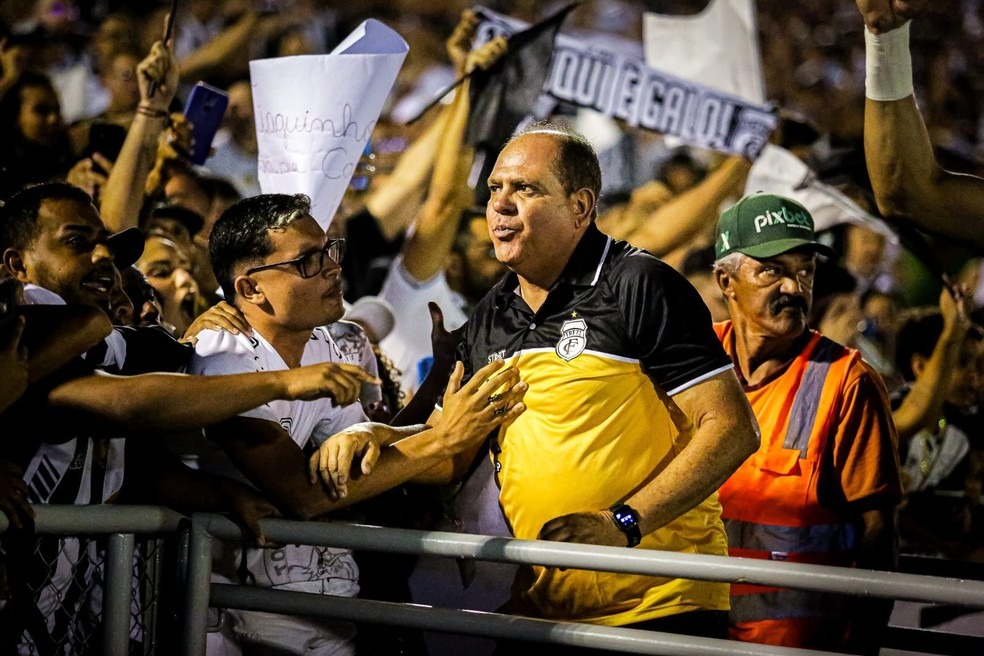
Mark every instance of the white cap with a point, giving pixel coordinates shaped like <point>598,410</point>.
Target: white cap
<point>374,314</point>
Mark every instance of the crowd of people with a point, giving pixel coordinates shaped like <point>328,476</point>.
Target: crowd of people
<point>623,345</point>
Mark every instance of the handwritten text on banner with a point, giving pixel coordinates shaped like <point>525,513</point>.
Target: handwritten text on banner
<point>315,114</point>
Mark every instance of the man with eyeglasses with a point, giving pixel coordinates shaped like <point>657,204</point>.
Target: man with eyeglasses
<point>277,267</point>
<point>823,485</point>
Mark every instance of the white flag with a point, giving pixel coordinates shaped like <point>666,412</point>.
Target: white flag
<point>717,48</point>
<point>778,171</point>
<point>315,114</point>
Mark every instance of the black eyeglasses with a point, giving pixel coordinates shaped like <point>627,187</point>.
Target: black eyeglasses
<point>311,264</point>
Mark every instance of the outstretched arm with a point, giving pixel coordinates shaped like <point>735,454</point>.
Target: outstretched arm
<point>265,454</point>
<point>229,49</point>
<point>396,203</point>
<point>470,412</point>
<point>155,476</point>
<point>164,403</point>
<point>908,182</point>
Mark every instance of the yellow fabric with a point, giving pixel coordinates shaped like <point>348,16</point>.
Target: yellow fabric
<point>598,418</point>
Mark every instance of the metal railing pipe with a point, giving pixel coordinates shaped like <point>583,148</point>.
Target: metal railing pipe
<point>117,594</point>
<point>823,578</point>
<point>492,625</point>
<point>88,520</point>
<point>197,590</point>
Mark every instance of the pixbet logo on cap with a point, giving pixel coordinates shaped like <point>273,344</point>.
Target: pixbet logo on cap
<point>793,219</point>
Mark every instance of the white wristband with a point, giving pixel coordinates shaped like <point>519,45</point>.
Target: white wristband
<point>888,65</point>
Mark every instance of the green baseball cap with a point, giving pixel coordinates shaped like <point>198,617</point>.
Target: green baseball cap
<point>765,225</point>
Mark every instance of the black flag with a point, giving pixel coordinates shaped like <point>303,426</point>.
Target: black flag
<point>504,95</point>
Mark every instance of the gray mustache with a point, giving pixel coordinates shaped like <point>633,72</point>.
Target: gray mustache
<point>787,301</point>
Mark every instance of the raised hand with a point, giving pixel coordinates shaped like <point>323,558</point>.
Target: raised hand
<point>486,55</point>
<point>459,43</point>
<point>954,306</point>
<point>886,15</point>
<point>13,62</point>
<point>87,177</point>
<point>443,342</point>
<point>157,79</point>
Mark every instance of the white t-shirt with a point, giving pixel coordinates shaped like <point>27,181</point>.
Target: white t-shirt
<point>311,569</point>
<point>410,341</point>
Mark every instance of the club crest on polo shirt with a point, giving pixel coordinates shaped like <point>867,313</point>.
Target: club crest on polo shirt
<point>573,339</point>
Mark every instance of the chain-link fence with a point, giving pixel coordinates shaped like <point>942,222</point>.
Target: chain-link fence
<point>57,585</point>
<point>53,592</point>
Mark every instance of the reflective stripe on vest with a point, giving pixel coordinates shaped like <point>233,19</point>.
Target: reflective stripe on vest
<point>785,604</point>
<point>806,405</point>
<point>820,538</point>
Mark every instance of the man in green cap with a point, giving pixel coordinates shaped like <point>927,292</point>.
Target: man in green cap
<point>824,484</point>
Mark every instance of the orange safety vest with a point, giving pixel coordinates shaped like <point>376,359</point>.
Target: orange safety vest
<point>770,506</point>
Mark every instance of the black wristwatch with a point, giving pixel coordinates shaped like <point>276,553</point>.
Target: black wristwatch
<point>628,522</point>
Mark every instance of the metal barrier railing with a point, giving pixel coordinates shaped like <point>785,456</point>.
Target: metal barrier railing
<point>613,559</point>
<point>122,523</point>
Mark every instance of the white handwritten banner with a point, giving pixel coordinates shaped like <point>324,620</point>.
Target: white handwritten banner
<point>315,114</point>
<point>623,87</point>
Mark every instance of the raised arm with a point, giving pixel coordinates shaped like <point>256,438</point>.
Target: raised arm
<point>724,433</point>
<point>908,182</point>
<point>426,250</point>
<point>470,412</point>
<point>676,222</point>
<point>923,404</point>
<point>396,203</point>
<point>155,476</point>
<point>123,194</point>
<point>231,46</point>
<point>13,62</point>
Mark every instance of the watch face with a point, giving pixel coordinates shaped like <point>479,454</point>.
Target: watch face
<point>626,517</point>
<point>628,523</point>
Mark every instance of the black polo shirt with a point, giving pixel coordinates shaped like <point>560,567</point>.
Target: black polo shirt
<point>611,300</point>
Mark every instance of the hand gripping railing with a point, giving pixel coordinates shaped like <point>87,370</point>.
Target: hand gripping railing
<point>200,594</point>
